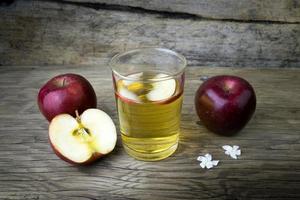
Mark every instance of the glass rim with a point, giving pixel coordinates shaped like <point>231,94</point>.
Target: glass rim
<point>112,63</point>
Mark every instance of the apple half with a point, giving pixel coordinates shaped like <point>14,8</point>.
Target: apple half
<point>84,139</point>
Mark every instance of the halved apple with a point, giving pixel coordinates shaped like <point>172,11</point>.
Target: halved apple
<point>84,139</point>
<point>162,89</point>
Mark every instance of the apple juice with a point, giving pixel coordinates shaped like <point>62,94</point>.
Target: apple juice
<point>149,114</point>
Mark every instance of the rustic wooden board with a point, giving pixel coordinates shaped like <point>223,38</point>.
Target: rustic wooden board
<point>269,167</point>
<point>253,10</point>
<point>44,33</point>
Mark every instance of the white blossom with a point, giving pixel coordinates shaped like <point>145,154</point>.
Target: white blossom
<point>206,161</point>
<point>232,151</point>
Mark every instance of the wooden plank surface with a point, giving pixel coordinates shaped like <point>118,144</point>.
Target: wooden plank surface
<point>253,10</point>
<point>45,33</point>
<point>269,167</point>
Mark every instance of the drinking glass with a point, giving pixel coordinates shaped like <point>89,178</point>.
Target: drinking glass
<point>148,84</point>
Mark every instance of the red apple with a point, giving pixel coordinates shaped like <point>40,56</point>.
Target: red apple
<point>225,104</point>
<point>82,140</point>
<point>65,94</point>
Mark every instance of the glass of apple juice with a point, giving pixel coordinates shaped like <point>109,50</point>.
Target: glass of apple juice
<point>148,85</point>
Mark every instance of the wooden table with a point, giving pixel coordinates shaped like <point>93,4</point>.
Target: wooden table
<point>269,167</point>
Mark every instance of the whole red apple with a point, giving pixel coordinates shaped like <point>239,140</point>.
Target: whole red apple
<point>225,104</point>
<point>66,93</point>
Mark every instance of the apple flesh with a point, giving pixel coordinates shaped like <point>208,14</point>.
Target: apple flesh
<point>225,104</point>
<point>162,89</point>
<point>65,94</point>
<point>82,140</point>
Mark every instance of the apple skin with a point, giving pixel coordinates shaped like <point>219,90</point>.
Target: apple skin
<point>90,161</point>
<point>225,104</point>
<point>64,94</point>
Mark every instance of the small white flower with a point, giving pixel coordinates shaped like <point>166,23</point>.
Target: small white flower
<point>232,151</point>
<point>206,161</point>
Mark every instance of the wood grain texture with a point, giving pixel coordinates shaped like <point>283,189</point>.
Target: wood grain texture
<point>269,167</point>
<point>253,10</point>
<point>45,33</point>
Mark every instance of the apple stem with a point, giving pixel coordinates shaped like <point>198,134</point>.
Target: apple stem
<point>77,116</point>
<point>81,129</point>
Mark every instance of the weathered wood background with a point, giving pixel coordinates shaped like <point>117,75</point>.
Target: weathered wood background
<point>269,167</point>
<point>236,33</point>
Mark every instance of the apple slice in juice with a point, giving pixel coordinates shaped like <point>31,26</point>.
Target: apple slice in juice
<point>145,91</point>
<point>162,89</point>
<point>127,88</point>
